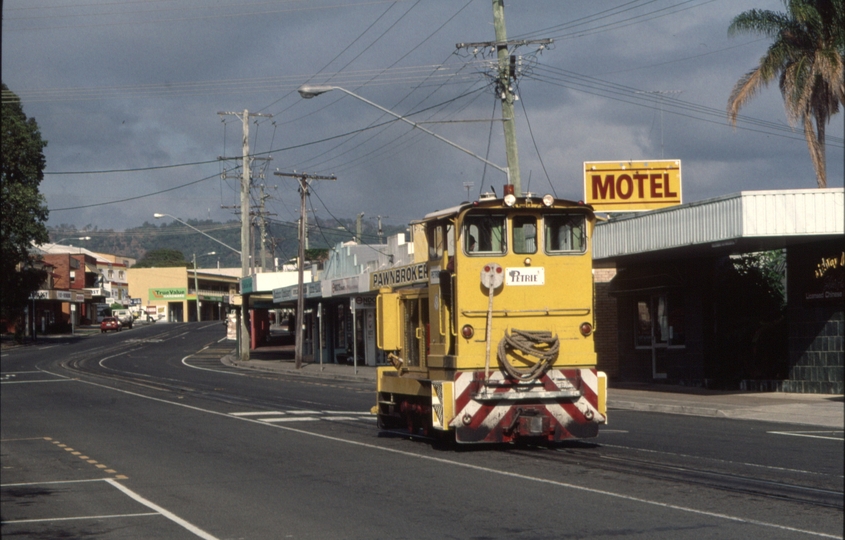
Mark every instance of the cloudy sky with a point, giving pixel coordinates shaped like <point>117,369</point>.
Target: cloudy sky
<point>128,92</point>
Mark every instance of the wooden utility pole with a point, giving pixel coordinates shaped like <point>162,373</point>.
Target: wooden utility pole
<point>505,91</point>
<point>300,299</point>
<point>243,344</point>
<point>507,72</point>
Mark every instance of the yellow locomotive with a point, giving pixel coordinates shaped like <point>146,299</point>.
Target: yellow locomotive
<point>491,337</point>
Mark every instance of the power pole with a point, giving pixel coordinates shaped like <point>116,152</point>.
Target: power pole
<point>300,300</point>
<point>262,230</point>
<point>505,91</point>
<point>243,345</point>
<point>380,231</point>
<point>504,86</point>
<point>359,227</point>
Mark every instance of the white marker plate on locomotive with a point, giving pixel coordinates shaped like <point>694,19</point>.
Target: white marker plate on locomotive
<point>525,276</point>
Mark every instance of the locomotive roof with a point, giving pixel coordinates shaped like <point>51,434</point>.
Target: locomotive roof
<point>498,204</point>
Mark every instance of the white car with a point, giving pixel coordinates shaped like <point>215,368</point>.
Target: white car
<point>124,316</point>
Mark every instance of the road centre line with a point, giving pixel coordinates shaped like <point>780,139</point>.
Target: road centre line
<point>640,500</point>
<point>290,419</point>
<point>51,482</point>
<point>110,516</point>
<point>260,413</point>
<point>808,434</point>
<point>33,382</point>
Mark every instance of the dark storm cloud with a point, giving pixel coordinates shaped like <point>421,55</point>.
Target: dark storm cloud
<point>159,73</point>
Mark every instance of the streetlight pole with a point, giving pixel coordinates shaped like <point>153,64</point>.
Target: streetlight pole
<point>196,282</point>
<point>242,334</point>
<point>74,238</point>
<point>157,216</point>
<point>308,91</point>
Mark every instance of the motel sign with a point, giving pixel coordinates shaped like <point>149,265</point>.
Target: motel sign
<point>632,186</point>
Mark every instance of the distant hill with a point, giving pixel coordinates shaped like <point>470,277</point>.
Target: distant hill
<point>282,239</point>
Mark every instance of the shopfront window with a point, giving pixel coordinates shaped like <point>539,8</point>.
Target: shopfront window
<point>660,321</point>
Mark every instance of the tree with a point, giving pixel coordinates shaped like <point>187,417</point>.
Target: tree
<point>22,208</point>
<point>162,258</point>
<point>808,54</point>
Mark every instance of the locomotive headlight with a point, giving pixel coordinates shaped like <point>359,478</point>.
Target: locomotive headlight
<point>586,329</point>
<point>467,331</point>
<point>510,199</point>
<point>548,200</point>
<point>527,261</point>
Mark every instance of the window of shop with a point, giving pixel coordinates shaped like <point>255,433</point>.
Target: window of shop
<point>660,321</point>
<point>340,335</point>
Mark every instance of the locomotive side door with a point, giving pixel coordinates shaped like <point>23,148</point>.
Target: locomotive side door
<point>441,242</point>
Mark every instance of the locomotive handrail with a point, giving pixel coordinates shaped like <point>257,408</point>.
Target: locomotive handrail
<point>507,312</point>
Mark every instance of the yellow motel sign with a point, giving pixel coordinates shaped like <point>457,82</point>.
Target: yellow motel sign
<point>632,186</point>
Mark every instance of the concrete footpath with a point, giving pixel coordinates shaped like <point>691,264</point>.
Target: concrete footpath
<point>819,410</point>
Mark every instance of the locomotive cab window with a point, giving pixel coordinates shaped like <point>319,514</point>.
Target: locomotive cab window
<point>484,234</point>
<point>565,233</point>
<point>524,234</point>
<point>436,237</point>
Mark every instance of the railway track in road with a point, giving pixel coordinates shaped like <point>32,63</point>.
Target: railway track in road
<point>733,477</point>
<point>94,363</point>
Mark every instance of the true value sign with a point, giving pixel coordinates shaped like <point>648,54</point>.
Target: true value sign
<point>631,186</point>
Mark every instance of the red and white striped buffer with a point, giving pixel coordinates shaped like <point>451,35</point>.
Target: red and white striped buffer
<point>561,404</point>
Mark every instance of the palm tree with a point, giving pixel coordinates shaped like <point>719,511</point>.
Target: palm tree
<point>808,55</point>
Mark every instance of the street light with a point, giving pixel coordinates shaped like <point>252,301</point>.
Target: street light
<point>196,281</point>
<point>73,238</point>
<point>157,216</point>
<point>309,91</point>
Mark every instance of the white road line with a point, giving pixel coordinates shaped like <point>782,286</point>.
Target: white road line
<point>289,419</point>
<point>25,484</point>
<point>303,412</point>
<point>745,464</point>
<point>339,418</point>
<point>259,413</point>
<point>169,515</point>
<point>111,516</point>
<point>115,356</point>
<point>185,363</point>
<point>808,434</point>
<point>541,480</point>
<point>5,373</point>
<point>32,382</point>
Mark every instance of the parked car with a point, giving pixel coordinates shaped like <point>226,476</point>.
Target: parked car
<point>124,316</point>
<point>109,323</point>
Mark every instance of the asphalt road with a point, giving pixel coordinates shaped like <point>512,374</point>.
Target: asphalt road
<point>145,434</point>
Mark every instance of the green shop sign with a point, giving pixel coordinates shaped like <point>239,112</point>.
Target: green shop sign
<point>164,295</point>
